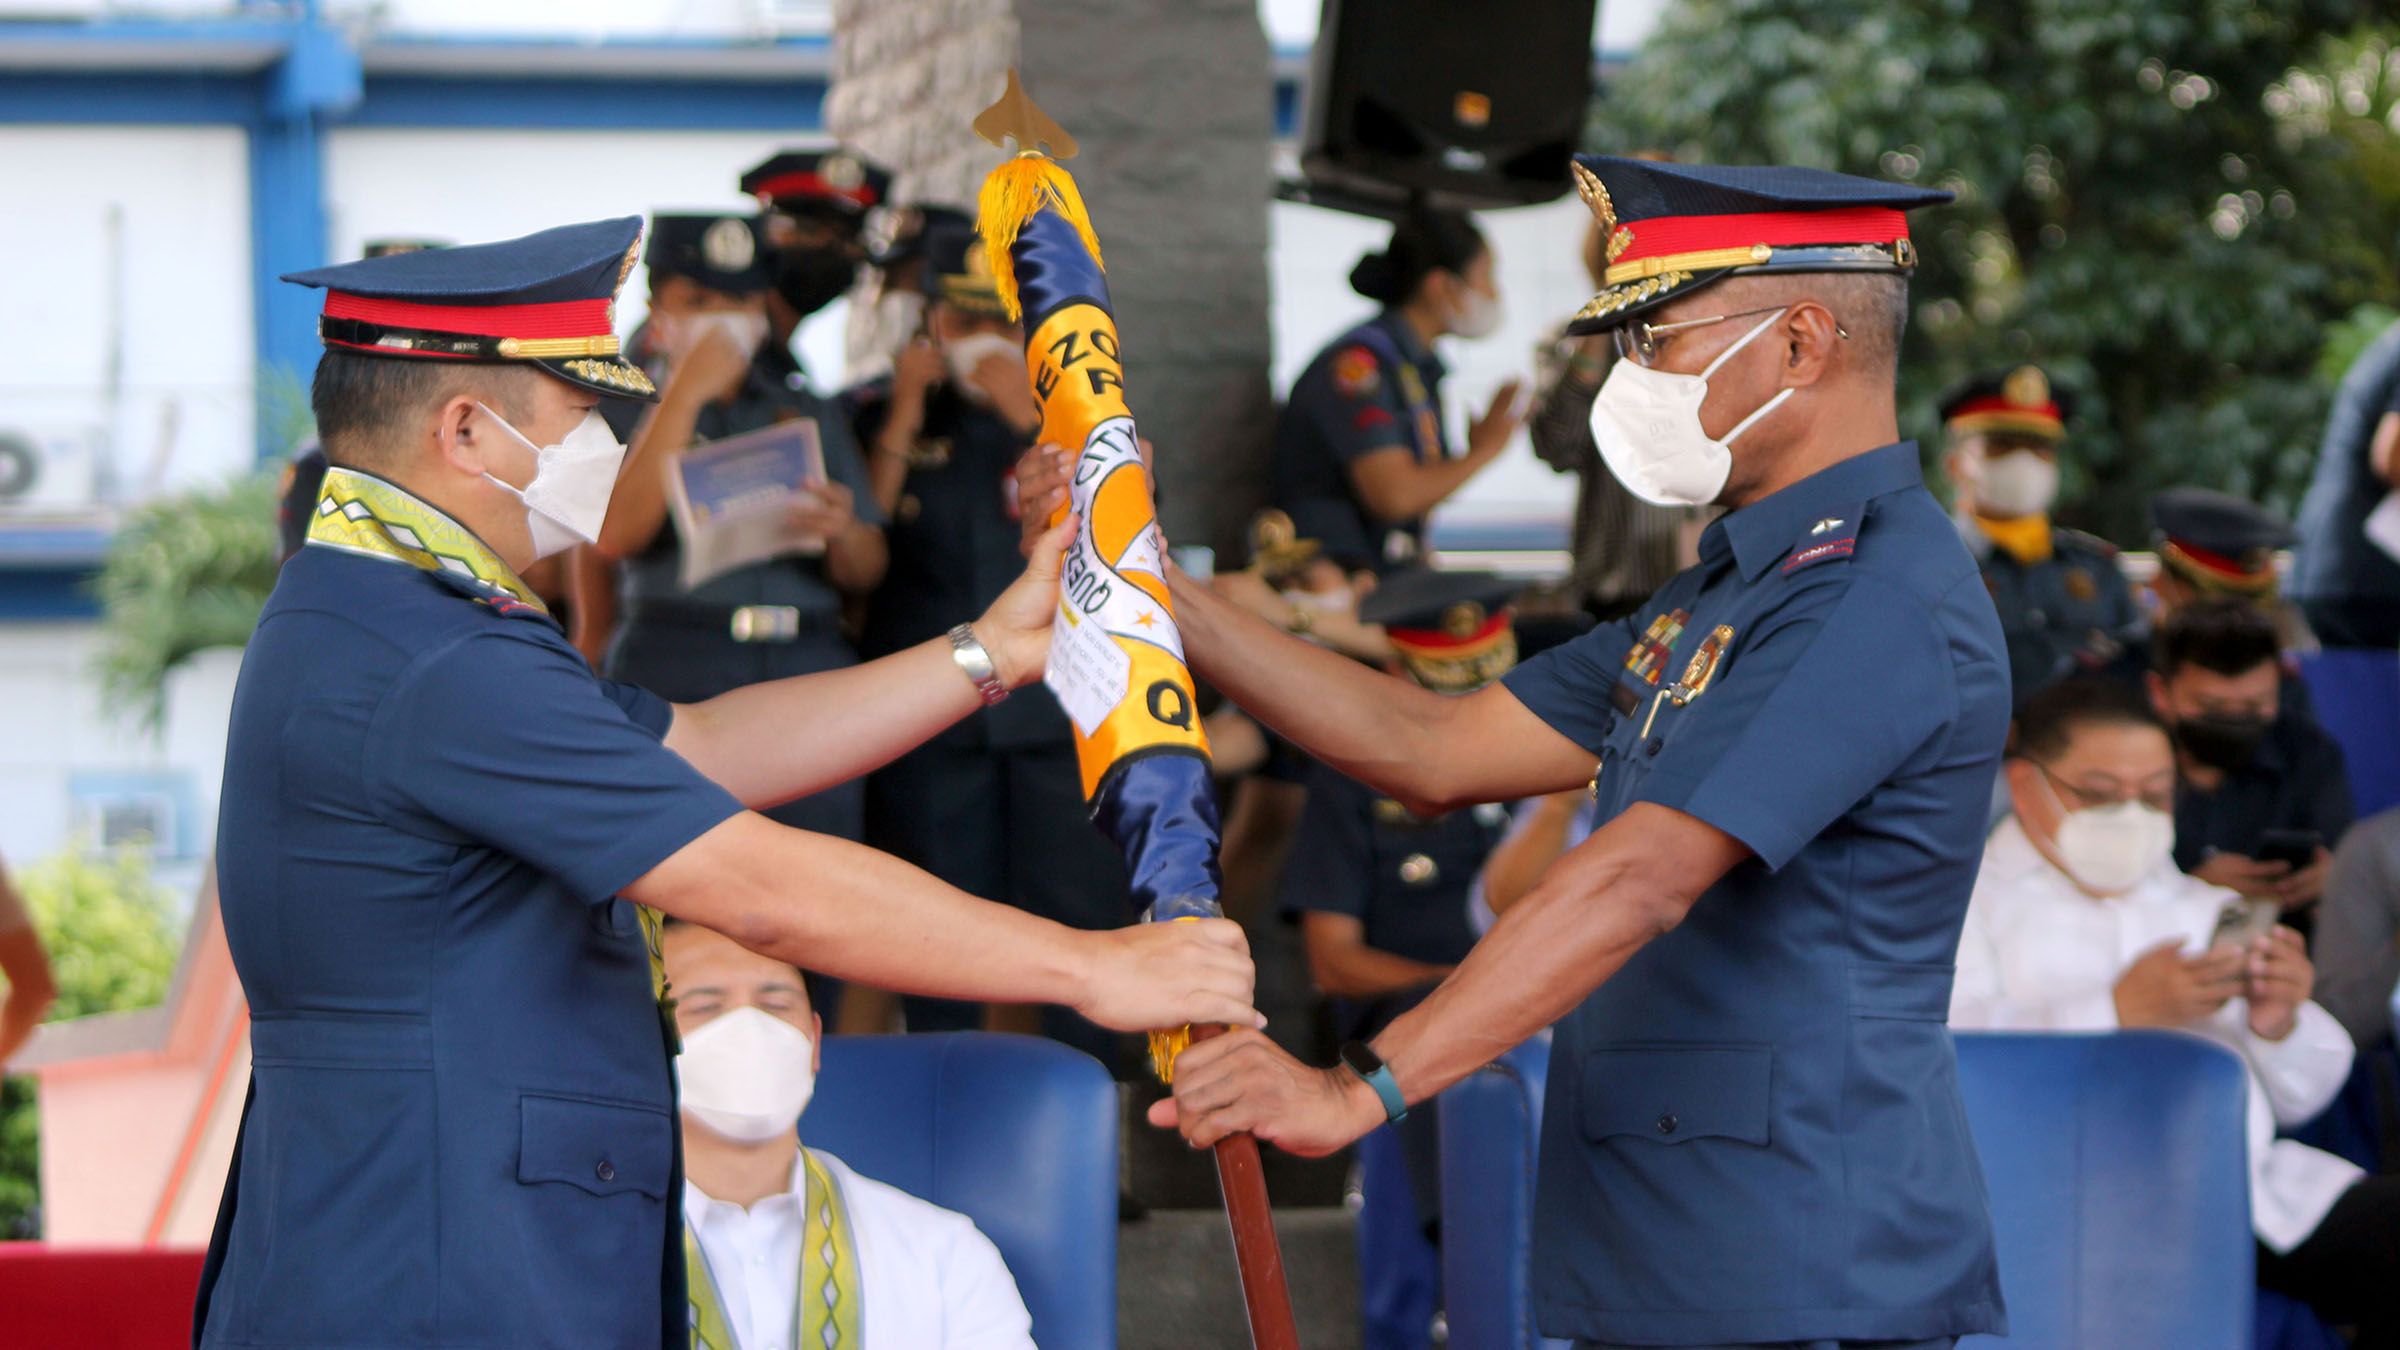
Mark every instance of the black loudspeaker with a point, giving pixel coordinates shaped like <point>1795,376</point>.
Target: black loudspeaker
<point>1461,103</point>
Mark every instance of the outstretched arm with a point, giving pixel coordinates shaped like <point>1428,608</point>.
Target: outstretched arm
<point>769,743</point>
<point>850,911</point>
<point>1631,882</point>
<point>1429,751</point>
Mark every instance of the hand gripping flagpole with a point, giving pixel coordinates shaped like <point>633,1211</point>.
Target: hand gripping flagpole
<point>1116,659</point>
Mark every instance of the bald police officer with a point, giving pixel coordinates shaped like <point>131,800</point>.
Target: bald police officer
<point>1753,1131</point>
<point>437,823</point>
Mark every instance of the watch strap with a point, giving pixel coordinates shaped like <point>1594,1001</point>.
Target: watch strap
<point>972,658</point>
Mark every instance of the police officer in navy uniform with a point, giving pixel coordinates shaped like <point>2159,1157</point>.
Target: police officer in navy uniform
<point>816,205</point>
<point>1753,1132</point>
<point>1362,451</point>
<point>438,823</point>
<point>1380,893</point>
<point>995,805</point>
<point>2063,603</point>
<point>727,374</point>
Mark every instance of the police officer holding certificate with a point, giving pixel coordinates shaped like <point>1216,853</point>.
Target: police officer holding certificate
<point>438,824</point>
<point>1753,1132</point>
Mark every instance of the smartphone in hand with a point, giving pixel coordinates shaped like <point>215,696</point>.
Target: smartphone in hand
<point>2294,848</point>
<point>2242,922</point>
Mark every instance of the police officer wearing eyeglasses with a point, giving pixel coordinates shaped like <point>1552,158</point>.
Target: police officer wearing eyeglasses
<point>1753,1132</point>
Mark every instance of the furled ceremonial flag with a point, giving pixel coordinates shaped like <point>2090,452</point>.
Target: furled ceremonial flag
<point>1116,660</point>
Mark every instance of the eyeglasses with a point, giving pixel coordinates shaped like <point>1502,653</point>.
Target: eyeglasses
<point>2084,799</point>
<point>1639,342</point>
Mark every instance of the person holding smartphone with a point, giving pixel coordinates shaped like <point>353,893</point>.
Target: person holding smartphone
<point>2262,794</point>
<point>2080,921</point>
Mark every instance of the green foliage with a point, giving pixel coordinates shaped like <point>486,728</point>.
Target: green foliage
<point>184,573</point>
<point>2165,202</point>
<point>113,941</point>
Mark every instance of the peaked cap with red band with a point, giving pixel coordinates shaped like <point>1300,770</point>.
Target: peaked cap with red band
<point>1453,630</point>
<point>548,299</point>
<point>1668,230</point>
<point>2020,402</point>
<point>834,182</point>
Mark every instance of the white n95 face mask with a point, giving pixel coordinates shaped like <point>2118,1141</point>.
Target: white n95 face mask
<point>745,329</point>
<point>1478,315</point>
<point>1647,425</point>
<point>747,1075</point>
<point>2110,848</point>
<point>2017,484</point>
<point>568,497</point>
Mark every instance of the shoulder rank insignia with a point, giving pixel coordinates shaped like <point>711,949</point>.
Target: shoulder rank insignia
<point>1817,553</point>
<point>1826,526</point>
<point>1355,373</point>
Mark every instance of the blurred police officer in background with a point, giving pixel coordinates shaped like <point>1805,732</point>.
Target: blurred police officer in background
<point>1380,894</point>
<point>2063,604</point>
<point>726,373</point>
<point>1362,451</point>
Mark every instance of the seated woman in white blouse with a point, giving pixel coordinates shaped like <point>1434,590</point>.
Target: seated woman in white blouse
<point>2081,922</point>
<point>784,1246</point>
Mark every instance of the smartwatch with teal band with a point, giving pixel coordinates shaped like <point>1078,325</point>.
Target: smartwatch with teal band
<point>1361,1059</point>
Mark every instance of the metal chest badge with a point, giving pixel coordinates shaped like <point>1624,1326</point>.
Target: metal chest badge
<point>1702,667</point>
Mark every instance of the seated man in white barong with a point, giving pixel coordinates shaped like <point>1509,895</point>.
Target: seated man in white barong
<point>785,1246</point>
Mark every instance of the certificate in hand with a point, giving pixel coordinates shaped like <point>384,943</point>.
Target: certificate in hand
<point>733,498</point>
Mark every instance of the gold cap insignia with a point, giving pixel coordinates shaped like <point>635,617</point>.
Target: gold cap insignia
<point>840,172</point>
<point>2026,387</point>
<point>1461,620</point>
<point>728,245</point>
<point>1272,529</point>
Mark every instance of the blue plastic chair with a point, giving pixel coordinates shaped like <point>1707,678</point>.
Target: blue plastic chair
<point>1017,1133</point>
<point>2120,1198</point>
<point>2356,691</point>
<point>1491,1136</point>
<point>2120,1194</point>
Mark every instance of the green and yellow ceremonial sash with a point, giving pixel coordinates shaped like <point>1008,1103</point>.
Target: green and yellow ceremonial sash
<point>827,1315</point>
<point>374,518</point>
<point>360,513</point>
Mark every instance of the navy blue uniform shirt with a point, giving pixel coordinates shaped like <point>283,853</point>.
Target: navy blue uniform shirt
<point>1753,1131</point>
<point>1403,877</point>
<point>1376,387</point>
<point>2070,614</point>
<point>461,1129</point>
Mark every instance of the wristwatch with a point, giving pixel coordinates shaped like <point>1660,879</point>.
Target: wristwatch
<point>969,652</point>
<point>1361,1059</point>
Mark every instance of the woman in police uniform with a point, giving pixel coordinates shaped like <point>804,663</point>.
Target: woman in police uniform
<point>1361,450</point>
<point>725,375</point>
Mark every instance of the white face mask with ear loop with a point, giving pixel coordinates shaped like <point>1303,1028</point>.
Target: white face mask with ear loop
<point>1478,314</point>
<point>2110,848</point>
<point>1647,425</point>
<point>572,481</point>
<point>747,1074</point>
<point>2014,485</point>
